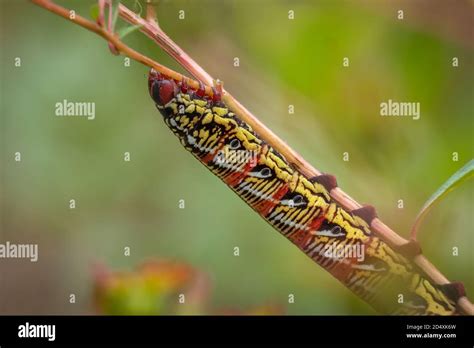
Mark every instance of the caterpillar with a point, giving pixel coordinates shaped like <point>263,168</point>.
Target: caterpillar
<point>300,208</point>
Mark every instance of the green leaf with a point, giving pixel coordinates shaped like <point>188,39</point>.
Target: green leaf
<point>139,6</point>
<point>127,30</point>
<point>459,177</point>
<point>94,11</point>
<point>115,12</point>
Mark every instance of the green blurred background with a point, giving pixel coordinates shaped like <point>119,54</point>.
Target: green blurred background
<point>135,204</point>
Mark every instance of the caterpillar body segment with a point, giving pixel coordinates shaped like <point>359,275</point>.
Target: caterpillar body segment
<point>301,209</point>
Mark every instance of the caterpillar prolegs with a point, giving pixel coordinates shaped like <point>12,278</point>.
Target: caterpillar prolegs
<point>300,208</point>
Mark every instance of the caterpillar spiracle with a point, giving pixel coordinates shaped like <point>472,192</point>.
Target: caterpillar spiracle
<point>300,208</point>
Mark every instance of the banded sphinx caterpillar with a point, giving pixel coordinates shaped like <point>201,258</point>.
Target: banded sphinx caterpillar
<point>300,208</point>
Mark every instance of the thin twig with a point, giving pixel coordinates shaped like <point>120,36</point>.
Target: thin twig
<point>113,39</point>
<point>151,28</point>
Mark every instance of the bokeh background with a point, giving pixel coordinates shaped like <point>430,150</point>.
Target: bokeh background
<point>135,204</point>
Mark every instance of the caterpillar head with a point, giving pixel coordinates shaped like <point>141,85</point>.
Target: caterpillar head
<point>161,89</point>
<point>200,121</point>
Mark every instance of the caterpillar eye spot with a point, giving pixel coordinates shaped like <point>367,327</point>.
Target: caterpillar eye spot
<point>234,144</point>
<point>266,172</point>
<point>298,199</point>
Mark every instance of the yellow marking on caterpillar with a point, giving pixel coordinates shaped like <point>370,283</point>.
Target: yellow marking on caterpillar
<point>190,108</point>
<point>331,211</point>
<point>173,107</point>
<point>203,134</point>
<point>200,110</point>
<point>199,102</point>
<point>207,119</point>
<point>220,111</point>
<point>183,98</point>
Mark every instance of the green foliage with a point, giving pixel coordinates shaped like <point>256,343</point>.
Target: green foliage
<point>128,30</point>
<point>115,12</point>
<point>94,12</point>
<point>466,172</point>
